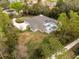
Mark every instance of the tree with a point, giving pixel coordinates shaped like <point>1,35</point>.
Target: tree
<point>50,46</point>
<point>8,36</point>
<point>69,27</point>
<point>65,34</point>
<point>63,22</point>
<point>4,18</point>
<point>74,23</point>
<point>61,7</point>
<point>11,34</point>
<point>66,5</point>
<point>74,4</point>
<point>17,6</point>
<point>45,49</point>
<point>35,9</point>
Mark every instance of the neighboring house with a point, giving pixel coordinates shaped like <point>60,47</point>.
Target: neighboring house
<point>39,23</point>
<point>11,1</point>
<point>10,11</point>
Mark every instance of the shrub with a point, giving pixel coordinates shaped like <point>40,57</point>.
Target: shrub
<point>20,20</point>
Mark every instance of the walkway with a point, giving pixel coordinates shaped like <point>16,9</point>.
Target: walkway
<point>71,45</point>
<point>68,47</point>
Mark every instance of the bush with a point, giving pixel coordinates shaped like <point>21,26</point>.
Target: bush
<point>20,20</point>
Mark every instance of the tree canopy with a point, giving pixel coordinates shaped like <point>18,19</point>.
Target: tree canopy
<point>45,49</point>
<point>17,6</point>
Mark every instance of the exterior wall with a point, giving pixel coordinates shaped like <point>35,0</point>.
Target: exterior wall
<point>34,30</point>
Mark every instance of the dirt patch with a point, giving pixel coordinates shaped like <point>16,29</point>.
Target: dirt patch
<point>24,38</point>
<point>27,36</point>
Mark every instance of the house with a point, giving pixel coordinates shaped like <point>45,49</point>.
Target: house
<point>39,23</point>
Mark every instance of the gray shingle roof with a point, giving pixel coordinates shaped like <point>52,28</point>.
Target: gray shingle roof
<point>37,22</point>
